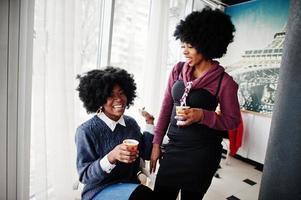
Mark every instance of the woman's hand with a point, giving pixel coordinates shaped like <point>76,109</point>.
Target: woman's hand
<point>149,119</point>
<point>191,116</point>
<point>156,152</point>
<point>122,154</point>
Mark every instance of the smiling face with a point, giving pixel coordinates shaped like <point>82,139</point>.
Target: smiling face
<point>194,58</point>
<point>116,104</point>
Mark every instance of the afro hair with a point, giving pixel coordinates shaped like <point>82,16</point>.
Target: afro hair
<point>96,86</point>
<point>208,31</point>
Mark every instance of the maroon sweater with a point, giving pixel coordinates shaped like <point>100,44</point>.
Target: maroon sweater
<point>227,97</point>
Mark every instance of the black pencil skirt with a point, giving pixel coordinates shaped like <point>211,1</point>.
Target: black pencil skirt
<point>189,167</point>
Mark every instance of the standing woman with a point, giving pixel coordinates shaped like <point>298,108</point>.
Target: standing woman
<point>194,150</point>
<point>106,166</point>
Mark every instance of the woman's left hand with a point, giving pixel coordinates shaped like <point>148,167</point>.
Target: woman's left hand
<point>191,116</point>
<point>149,119</point>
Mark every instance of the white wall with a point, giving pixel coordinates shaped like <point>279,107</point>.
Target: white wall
<point>255,136</point>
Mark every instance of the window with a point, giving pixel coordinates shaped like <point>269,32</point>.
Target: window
<point>129,42</point>
<point>176,12</point>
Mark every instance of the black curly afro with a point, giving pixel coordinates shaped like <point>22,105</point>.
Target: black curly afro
<point>96,86</point>
<point>209,31</point>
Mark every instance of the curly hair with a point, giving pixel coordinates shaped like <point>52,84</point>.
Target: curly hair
<point>208,31</point>
<point>96,86</point>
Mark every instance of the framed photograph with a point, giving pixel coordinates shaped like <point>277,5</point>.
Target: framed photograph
<point>254,57</point>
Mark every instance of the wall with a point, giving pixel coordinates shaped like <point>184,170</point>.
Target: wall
<point>253,59</point>
<point>255,136</point>
<point>16,31</point>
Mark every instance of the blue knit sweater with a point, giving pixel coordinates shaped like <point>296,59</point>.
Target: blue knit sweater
<point>94,139</point>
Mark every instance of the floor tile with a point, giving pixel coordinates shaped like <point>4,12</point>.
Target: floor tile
<point>250,193</point>
<point>231,185</point>
<point>233,198</point>
<point>249,181</point>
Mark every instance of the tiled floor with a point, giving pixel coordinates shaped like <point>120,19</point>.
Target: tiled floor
<point>237,181</point>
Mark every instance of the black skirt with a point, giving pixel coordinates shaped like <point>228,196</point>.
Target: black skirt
<point>189,167</point>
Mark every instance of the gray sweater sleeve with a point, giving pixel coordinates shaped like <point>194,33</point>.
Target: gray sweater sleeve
<point>87,161</point>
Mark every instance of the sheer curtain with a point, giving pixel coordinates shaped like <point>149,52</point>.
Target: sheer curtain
<point>129,36</point>
<point>163,50</point>
<point>65,44</point>
<point>155,63</point>
<point>143,44</point>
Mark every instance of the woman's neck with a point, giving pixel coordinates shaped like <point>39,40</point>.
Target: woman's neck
<point>202,68</point>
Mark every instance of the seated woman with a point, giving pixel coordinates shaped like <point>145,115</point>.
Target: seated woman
<point>105,165</point>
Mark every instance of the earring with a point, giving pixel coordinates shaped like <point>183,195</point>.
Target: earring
<point>99,110</point>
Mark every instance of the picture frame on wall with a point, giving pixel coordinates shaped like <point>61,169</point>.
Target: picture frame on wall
<point>254,57</point>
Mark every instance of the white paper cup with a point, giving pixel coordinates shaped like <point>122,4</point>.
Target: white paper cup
<point>180,110</point>
<point>132,145</point>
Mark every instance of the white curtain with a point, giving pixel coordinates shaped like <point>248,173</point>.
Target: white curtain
<point>163,50</point>
<point>60,51</point>
<point>66,43</point>
<point>129,45</point>
<point>154,76</point>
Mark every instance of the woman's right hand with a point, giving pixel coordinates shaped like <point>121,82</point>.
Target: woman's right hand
<point>122,154</point>
<point>156,152</point>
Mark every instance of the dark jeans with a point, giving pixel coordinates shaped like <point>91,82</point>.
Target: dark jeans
<point>170,193</point>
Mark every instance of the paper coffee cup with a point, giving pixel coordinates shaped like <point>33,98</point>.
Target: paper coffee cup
<point>132,145</point>
<point>180,110</point>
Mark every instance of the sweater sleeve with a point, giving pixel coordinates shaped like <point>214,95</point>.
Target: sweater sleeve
<point>87,161</point>
<point>166,109</point>
<point>229,105</point>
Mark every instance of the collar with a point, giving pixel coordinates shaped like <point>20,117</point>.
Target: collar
<point>111,123</point>
<point>213,74</point>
